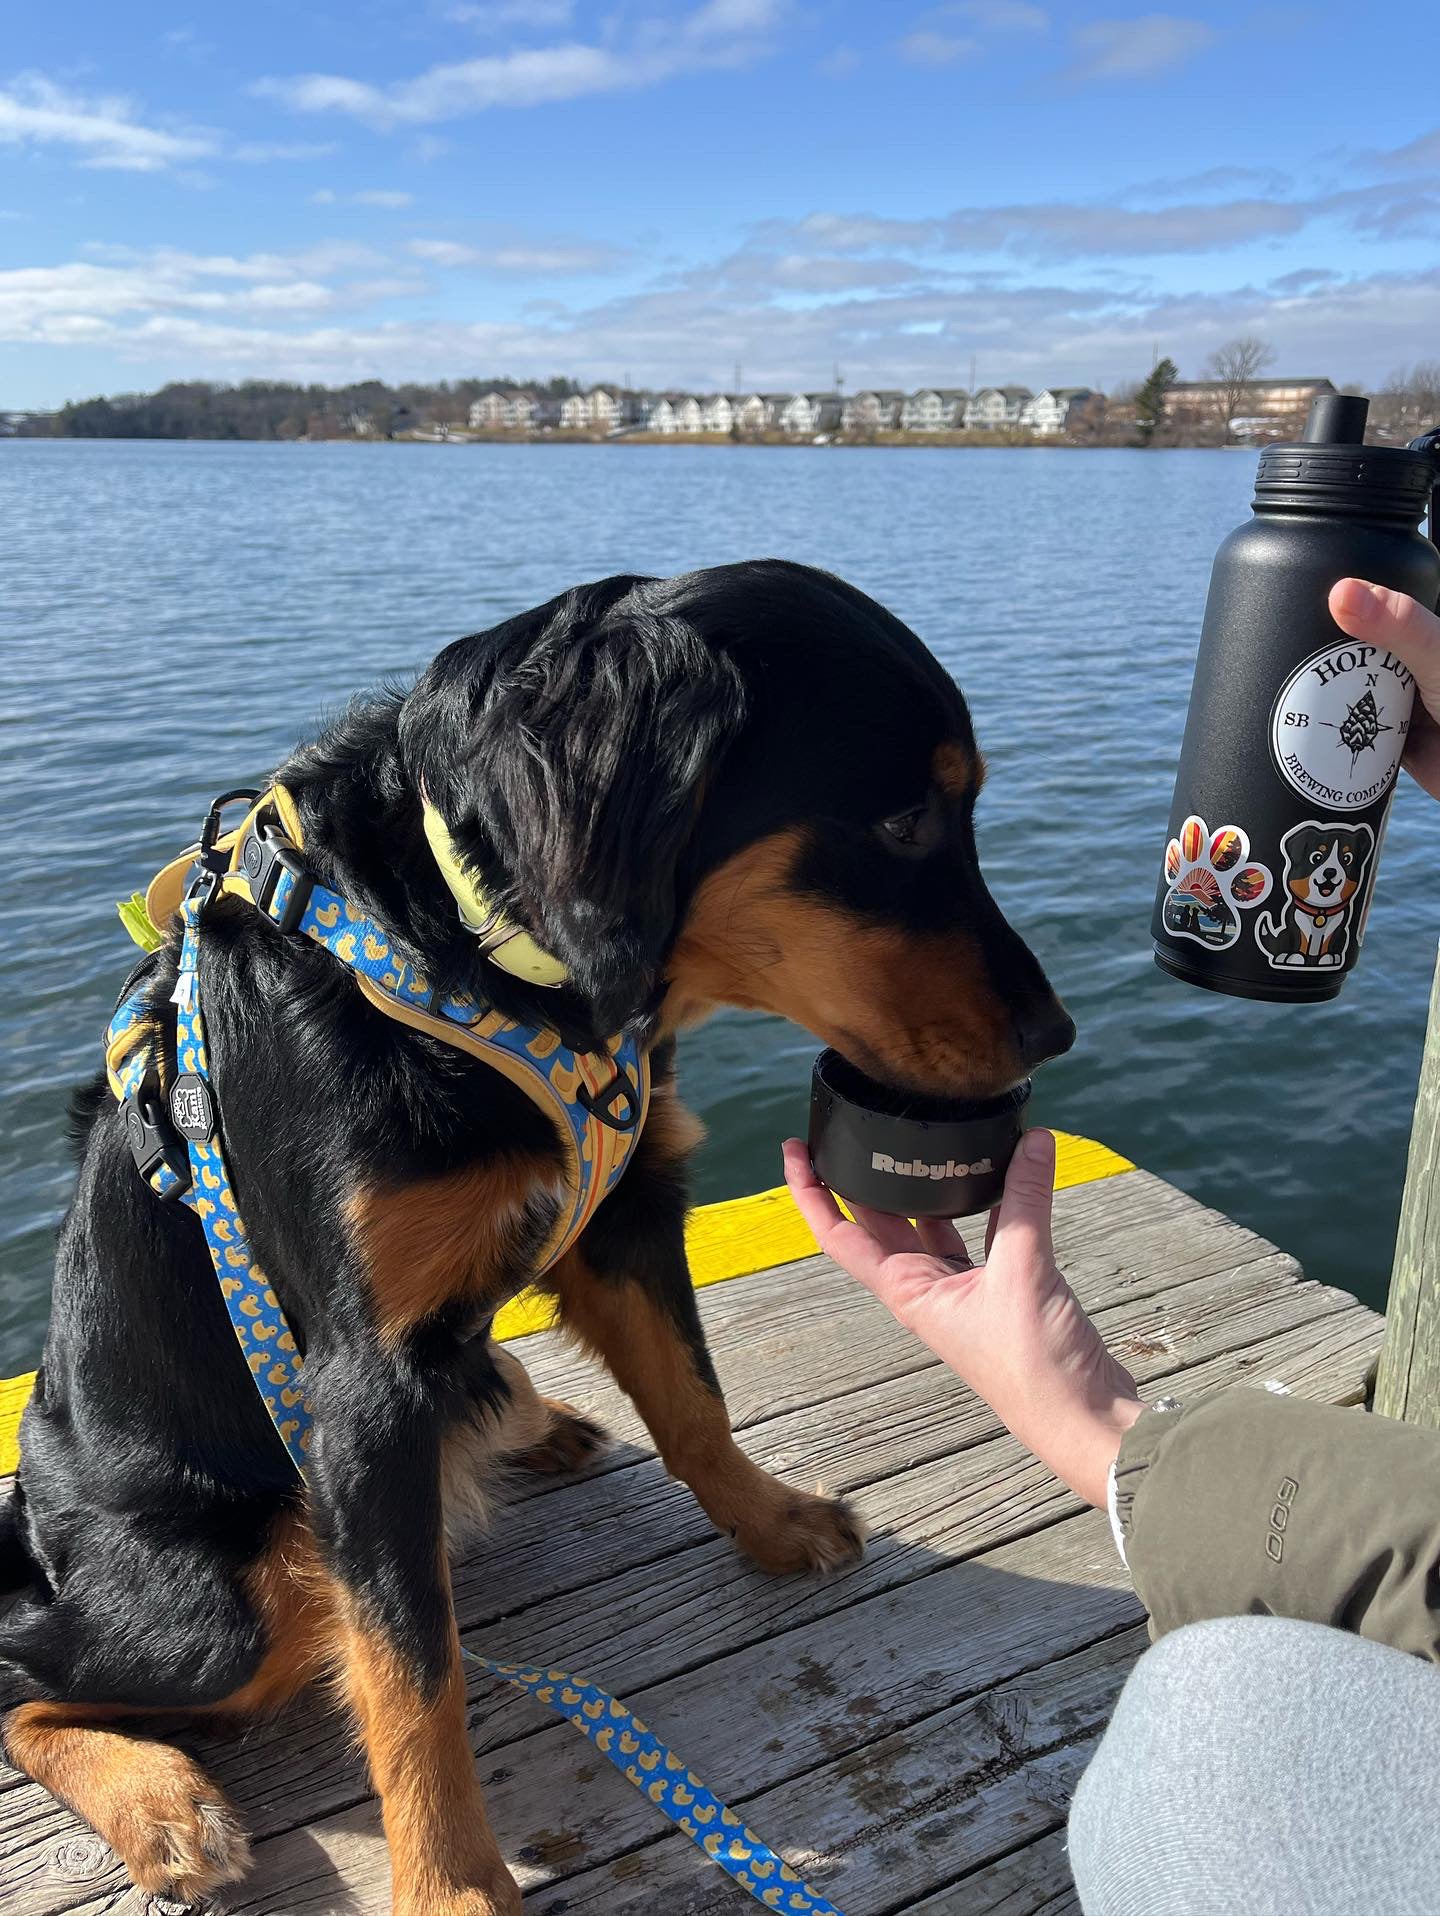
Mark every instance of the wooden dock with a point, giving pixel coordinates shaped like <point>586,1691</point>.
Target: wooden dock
<point>909,1731</point>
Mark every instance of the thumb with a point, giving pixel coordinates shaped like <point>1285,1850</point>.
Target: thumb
<point>1392,619</point>
<point>1022,1223</point>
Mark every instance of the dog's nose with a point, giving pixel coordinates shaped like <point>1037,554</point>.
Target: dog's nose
<point>1044,1034</point>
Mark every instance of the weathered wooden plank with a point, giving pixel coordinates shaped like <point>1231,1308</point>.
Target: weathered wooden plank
<point>892,1820</point>
<point>1033,1881</point>
<point>641,1628</point>
<point>1408,1382</point>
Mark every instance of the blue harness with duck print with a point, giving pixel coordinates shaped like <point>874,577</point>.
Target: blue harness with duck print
<point>599,1102</point>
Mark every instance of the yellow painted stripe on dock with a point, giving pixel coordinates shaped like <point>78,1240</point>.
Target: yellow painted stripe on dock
<point>731,1239</point>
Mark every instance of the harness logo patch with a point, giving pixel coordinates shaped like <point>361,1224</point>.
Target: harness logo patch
<point>1280,1519</point>
<point>1340,723</point>
<point>191,1108</point>
<point>917,1168</point>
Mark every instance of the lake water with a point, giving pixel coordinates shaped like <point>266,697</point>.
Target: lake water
<point>175,615</point>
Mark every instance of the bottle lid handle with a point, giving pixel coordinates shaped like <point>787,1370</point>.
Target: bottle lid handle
<point>1430,442</point>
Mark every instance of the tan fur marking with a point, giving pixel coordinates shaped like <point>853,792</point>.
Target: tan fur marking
<point>781,1529</point>
<point>442,1240</point>
<point>170,1826</point>
<point>958,771</point>
<point>444,1859</point>
<point>902,1004</point>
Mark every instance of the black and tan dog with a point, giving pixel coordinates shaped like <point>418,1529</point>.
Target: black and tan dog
<point>748,786</point>
<point>1325,867</point>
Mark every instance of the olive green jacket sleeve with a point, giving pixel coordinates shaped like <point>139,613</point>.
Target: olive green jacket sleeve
<point>1249,1503</point>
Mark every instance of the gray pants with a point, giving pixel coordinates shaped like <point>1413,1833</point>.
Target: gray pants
<point>1260,1767</point>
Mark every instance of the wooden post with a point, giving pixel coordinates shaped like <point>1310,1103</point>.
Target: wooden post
<point>1408,1384</point>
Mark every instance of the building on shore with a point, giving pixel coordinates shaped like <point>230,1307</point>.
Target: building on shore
<point>997,408</point>
<point>1054,409</point>
<point>1266,400</point>
<point>934,409</point>
<point>805,414</point>
<point>874,409</point>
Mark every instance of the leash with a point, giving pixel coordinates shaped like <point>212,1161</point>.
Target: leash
<point>196,1174</point>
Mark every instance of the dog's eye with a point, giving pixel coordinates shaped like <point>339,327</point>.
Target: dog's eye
<point>1318,858</point>
<point>904,826</point>
<point>1347,857</point>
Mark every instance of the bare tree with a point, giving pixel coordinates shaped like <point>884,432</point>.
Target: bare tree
<point>1409,401</point>
<point>1233,367</point>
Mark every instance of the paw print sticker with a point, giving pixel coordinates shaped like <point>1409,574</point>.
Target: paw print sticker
<point>1210,884</point>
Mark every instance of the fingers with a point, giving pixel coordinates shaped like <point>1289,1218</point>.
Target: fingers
<point>1412,632</point>
<point>1393,619</point>
<point>851,1245</point>
<point>940,1238</point>
<point>1022,1223</point>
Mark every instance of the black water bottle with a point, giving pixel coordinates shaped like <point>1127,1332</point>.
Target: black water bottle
<point>1295,731</point>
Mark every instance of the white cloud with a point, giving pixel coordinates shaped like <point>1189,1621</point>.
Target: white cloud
<point>840,61</point>
<point>106,130</point>
<point>1420,155</point>
<point>499,16</point>
<point>263,152</point>
<point>373,196</point>
<point>1135,49</point>
<point>720,33</point>
<point>533,259</point>
<point>927,48</point>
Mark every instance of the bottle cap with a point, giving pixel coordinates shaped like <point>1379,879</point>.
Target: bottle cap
<point>1332,467</point>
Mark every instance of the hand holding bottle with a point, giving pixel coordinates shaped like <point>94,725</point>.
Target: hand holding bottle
<point>1378,616</point>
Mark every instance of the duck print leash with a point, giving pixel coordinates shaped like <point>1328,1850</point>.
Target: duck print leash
<point>639,1755</point>
<point>275,1364</point>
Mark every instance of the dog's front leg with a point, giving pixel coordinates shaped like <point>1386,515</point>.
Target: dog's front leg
<point>626,1292</point>
<point>375,1482</point>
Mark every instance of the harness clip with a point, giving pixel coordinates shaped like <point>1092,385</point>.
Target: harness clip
<point>264,855</point>
<point>153,1142</point>
<point>599,1103</point>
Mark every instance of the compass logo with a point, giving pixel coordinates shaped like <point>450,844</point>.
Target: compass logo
<point>1340,723</point>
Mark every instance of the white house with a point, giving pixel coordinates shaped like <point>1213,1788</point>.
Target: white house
<point>575,412</point>
<point>717,413</point>
<point>805,414</point>
<point>934,409</point>
<point>488,411</point>
<point>660,414</point>
<point>1049,411</point>
<point>758,412</point>
<point>996,408</point>
<point>874,410</point>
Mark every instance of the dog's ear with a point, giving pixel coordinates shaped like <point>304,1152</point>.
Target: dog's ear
<point>568,751</point>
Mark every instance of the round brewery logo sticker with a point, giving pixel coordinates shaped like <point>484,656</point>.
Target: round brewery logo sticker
<point>1340,724</point>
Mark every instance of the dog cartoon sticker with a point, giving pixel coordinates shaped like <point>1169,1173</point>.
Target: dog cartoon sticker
<point>1325,867</point>
<point>1210,883</point>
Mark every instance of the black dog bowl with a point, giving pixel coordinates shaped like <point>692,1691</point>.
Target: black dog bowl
<point>912,1157</point>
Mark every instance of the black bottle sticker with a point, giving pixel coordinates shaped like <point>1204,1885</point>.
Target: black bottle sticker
<point>1340,723</point>
<point>1325,866</point>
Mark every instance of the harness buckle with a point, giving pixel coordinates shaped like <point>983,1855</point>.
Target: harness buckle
<point>264,854</point>
<point>153,1140</point>
<point>599,1103</point>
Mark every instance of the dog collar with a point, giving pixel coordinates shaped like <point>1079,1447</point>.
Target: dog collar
<point>502,942</point>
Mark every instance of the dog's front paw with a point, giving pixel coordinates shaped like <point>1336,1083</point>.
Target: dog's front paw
<point>499,1899</point>
<point>571,1440</point>
<point>796,1532</point>
<point>173,1830</point>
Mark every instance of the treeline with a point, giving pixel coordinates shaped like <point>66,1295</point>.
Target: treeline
<point>271,409</point>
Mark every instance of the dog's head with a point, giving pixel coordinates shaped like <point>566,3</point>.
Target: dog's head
<point>1325,863</point>
<point>749,785</point>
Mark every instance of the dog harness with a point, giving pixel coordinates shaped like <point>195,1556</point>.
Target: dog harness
<point>174,1135</point>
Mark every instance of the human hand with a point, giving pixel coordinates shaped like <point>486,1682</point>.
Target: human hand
<point>1378,616</point>
<point>1011,1327</point>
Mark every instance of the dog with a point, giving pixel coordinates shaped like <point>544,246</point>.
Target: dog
<point>1325,866</point>
<point>749,786</point>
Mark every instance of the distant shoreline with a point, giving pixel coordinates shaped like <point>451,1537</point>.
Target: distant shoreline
<point>916,441</point>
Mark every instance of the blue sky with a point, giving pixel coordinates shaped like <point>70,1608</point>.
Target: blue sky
<point>451,188</point>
